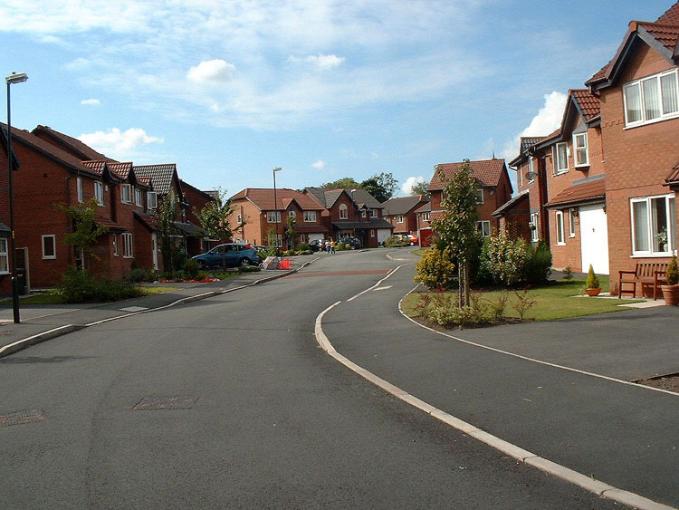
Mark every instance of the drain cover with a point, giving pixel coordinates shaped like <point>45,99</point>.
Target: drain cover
<point>162,403</point>
<point>22,417</point>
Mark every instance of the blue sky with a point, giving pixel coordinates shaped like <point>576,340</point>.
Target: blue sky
<point>322,88</point>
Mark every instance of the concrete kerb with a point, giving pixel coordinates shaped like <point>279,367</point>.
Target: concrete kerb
<point>592,485</point>
<point>24,343</point>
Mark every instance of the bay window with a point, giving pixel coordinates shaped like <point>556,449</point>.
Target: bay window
<point>651,99</point>
<point>653,226</point>
<point>580,147</point>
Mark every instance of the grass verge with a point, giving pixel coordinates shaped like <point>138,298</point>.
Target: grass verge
<point>54,297</point>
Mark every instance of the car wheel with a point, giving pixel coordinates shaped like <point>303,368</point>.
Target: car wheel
<point>244,263</point>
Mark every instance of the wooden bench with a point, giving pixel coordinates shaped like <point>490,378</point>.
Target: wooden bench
<point>645,273</point>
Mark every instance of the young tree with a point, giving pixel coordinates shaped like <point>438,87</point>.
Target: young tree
<point>290,233</point>
<point>165,215</point>
<point>457,227</point>
<point>86,230</point>
<point>214,217</point>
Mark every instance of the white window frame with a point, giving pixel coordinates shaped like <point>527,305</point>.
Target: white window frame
<point>138,197</point>
<point>79,189</point>
<point>151,200</point>
<point>558,170</point>
<point>273,216</point>
<point>4,255</point>
<point>671,235</point>
<point>343,212</point>
<point>571,222</point>
<point>575,149</point>
<point>483,227</point>
<point>425,216</point>
<point>373,213</point>
<point>128,245</point>
<point>53,237</point>
<point>126,193</point>
<point>480,199</point>
<point>638,83</point>
<point>535,232</point>
<point>115,245</point>
<point>99,193</point>
<point>239,219</point>
<point>399,218</point>
<point>560,229</point>
<point>531,169</point>
<point>309,216</point>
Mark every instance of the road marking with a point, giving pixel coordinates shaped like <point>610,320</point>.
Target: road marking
<point>134,309</point>
<point>526,358</point>
<point>392,258</point>
<point>386,287</point>
<point>588,483</point>
<point>376,285</point>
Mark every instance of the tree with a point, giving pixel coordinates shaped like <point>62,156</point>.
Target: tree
<point>214,217</point>
<point>165,215</point>
<point>343,183</point>
<point>421,188</point>
<point>457,227</point>
<point>290,233</point>
<point>86,230</point>
<point>382,186</point>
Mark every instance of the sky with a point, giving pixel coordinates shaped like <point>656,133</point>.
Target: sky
<point>229,89</point>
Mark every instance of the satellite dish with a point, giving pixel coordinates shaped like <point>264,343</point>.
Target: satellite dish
<point>531,176</point>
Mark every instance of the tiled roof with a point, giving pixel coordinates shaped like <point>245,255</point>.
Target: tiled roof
<point>587,102</point>
<point>150,222</point>
<point>488,172</point>
<point>317,194</point>
<point>161,175</point>
<point>362,197</point>
<point>96,166</point>
<point>263,198</point>
<point>528,141</point>
<point>208,195</point>
<point>524,195</point>
<point>423,209</point>
<point>331,196</point>
<point>673,178</point>
<point>121,170</point>
<point>667,35</point>
<point>671,16</point>
<point>363,225</point>
<point>585,192</point>
<point>400,205</point>
<point>70,144</point>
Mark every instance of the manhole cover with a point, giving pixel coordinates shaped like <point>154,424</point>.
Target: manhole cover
<point>162,403</point>
<point>22,417</point>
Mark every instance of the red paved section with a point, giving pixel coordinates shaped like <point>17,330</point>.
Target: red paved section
<point>339,273</point>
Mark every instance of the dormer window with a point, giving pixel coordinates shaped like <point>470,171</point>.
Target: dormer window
<point>652,99</point>
<point>581,148</point>
<point>560,158</point>
<point>138,197</point>
<point>151,200</point>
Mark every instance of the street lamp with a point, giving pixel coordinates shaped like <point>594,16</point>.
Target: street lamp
<point>11,80</point>
<point>275,206</point>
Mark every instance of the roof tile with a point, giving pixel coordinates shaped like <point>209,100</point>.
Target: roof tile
<point>584,192</point>
<point>263,198</point>
<point>161,175</point>
<point>488,172</point>
<point>588,103</point>
<point>401,205</point>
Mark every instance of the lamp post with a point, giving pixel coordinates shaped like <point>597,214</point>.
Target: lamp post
<point>11,80</point>
<point>275,206</point>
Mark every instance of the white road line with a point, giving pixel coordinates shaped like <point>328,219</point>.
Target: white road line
<point>376,285</point>
<point>526,358</point>
<point>586,482</point>
<point>386,287</point>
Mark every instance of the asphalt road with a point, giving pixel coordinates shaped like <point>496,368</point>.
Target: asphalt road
<point>229,402</point>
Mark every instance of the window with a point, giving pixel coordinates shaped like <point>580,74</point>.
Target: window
<point>651,99</point>
<point>115,245</point>
<point>138,197</point>
<point>292,214</point>
<point>239,219</point>
<point>654,226</point>
<point>99,192</point>
<point>79,189</point>
<point>151,200</point>
<point>128,247</point>
<point>373,213</point>
<point>309,216</point>
<point>483,227</point>
<point>372,232</point>
<point>531,170</point>
<point>4,259</point>
<point>425,216</point>
<point>534,227</point>
<point>559,228</point>
<point>580,147</point>
<point>273,216</point>
<point>364,213</point>
<point>343,212</point>
<point>49,247</point>
<point>571,222</point>
<point>399,218</point>
<point>479,197</point>
<point>125,193</point>
<point>560,158</point>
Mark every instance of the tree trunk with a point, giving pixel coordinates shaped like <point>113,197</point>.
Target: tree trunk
<point>459,286</point>
<point>467,290</point>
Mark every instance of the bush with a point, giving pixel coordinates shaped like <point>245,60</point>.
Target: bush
<point>539,264</point>
<point>304,247</point>
<point>523,303</point>
<point>567,273</point>
<point>672,274</point>
<point>435,268</point>
<point>442,309</point>
<point>395,242</point>
<point>592,279</point>
<point>504,260</point>
<point>248,269</point>
<point>201,276</point>
<point>81,287</point>
<point>192,268</point>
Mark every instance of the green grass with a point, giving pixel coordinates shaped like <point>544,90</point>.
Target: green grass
<point>558,300</point>
<point>53,297</point>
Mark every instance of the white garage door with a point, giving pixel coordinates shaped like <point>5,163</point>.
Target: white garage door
<point>594,238</point>
<point>383,234</point>
<point>314,237</point>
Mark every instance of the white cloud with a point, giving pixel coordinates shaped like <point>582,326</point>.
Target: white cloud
<point>90,102</point>
<point>318,165</point>
<point>118,144</point>
<point>407,186</point>
<point>320,61</point>
<point>216,70</point>
<point>547,120</point>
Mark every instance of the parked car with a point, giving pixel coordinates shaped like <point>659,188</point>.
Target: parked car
<point>315,244</point>
<point>228,255</point>
<point>353,242</point>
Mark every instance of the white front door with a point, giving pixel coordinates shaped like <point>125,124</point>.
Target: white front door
<point>594,238</point>
<point>154,248</point>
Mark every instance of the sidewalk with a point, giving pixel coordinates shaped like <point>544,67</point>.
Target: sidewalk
<point>38,319</point>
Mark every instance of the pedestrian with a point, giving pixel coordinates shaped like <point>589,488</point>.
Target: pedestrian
<point>332,246</point>
<point>327,246</point>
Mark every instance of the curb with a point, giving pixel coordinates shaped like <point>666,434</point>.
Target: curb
<point>24,343</point>
<point>590,484</point>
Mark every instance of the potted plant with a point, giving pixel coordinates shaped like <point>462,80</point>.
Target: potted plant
<point>592,288</point>
<point>670,290</point>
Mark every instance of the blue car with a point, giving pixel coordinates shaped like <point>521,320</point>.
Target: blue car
<point>228,255</point>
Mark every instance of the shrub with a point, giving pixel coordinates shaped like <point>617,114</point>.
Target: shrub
<point>81,287</point>
<point>435,269</point>
<point>672,274</point>
<point>304,247</point>
<point>499,305</point>
<point>592,279</point>
<point>137,275</point>
<point>192,268</point>
<point>441,309</point>
<point>539,264</point>
<point>503,260</point>
<point>523,303</point>
<point>201,276</point>
<point>395,242</point>
<point>248,269</point>
<point>567,273</point>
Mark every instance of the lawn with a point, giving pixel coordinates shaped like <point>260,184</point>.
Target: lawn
<point>557,300</point>
<point>53,297</point>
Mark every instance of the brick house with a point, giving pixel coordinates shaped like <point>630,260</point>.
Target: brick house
<point>353,213</point>
<point>195,200</point>
<point>5,233</point>
<point>424,231</point>
<point>256,219</point>
<point>639,95</point>
<point>495,190</point>
<point>400,212</point>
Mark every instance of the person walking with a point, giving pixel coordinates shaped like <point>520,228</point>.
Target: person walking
<point>332,246</point>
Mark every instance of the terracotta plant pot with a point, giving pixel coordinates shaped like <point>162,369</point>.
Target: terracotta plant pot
<point>593,292</point>
<point>671,294</point>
